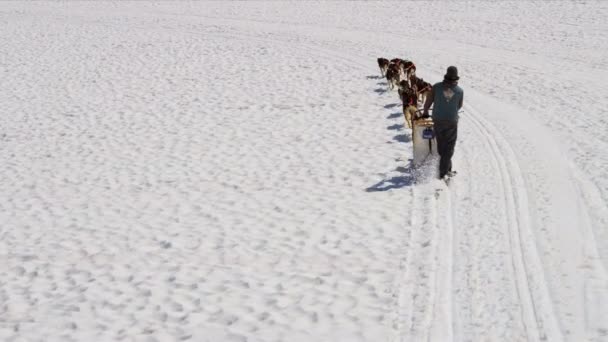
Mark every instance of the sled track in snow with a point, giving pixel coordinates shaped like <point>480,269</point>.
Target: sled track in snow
<point>530,284</point>
<point>442,327</point>
<point>425,305</point>
<point>425,295</point>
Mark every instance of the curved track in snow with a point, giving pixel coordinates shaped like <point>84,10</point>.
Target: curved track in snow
<point>512,223</point>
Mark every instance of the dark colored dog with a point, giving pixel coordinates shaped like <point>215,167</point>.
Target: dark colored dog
<point>393,75</point>
<point>396,61</point>
<point>383,65</point>
<point>408,68</point>
<point>423,88</point>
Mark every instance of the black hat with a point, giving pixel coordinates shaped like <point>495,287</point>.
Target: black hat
<point>451,74</point>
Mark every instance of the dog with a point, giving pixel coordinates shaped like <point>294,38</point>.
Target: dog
<point>383,65</point>
<point>393,76</point>
<point>423,88</point>
<point>409,98</point>
<point>397,62</point>
<point>408,68</point>
<point>402,86</point>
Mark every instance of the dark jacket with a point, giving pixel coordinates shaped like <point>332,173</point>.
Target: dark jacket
<point>447,98</point>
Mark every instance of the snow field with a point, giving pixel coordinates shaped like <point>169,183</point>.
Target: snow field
<point>237,172</point>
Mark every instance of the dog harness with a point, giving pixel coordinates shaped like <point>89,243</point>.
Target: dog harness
<point>428,87</point>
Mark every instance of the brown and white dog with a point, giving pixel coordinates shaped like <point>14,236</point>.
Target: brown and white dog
<point>409,98</point>
<point>423,88</point>
<point>383,65</point>
<point>408,68</point>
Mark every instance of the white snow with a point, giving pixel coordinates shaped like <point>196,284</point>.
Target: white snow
<point>237,171</point>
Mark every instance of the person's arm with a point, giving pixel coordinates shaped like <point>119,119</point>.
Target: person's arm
<point>461,101</point>
<point>429,101</point>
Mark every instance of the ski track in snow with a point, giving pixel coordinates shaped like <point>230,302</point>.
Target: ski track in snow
<point>225,172</point>
<point>516,223</point>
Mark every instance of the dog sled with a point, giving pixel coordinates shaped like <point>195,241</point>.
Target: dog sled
<point>423,140</point>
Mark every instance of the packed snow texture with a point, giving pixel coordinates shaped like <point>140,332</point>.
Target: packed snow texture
<point>238,171</point>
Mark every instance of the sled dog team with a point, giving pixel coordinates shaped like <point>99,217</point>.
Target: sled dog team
<point>446,98</point>
<point>401,74</point>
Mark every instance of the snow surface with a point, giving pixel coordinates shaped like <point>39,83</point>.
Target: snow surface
<point>237,171</point>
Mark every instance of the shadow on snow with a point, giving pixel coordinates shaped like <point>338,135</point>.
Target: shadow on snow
<point>380,90</point>
<point>404,138</point>
<point>395,115</point>
<point>406,178</point>
<point>395,127</point>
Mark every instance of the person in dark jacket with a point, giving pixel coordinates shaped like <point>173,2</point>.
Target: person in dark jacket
<point>447,98</point>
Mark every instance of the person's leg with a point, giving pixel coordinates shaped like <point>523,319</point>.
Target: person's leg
<point>440,136</point>
<point>450,135</point>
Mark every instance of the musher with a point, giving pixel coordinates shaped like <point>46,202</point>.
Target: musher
<point>447,98</point>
